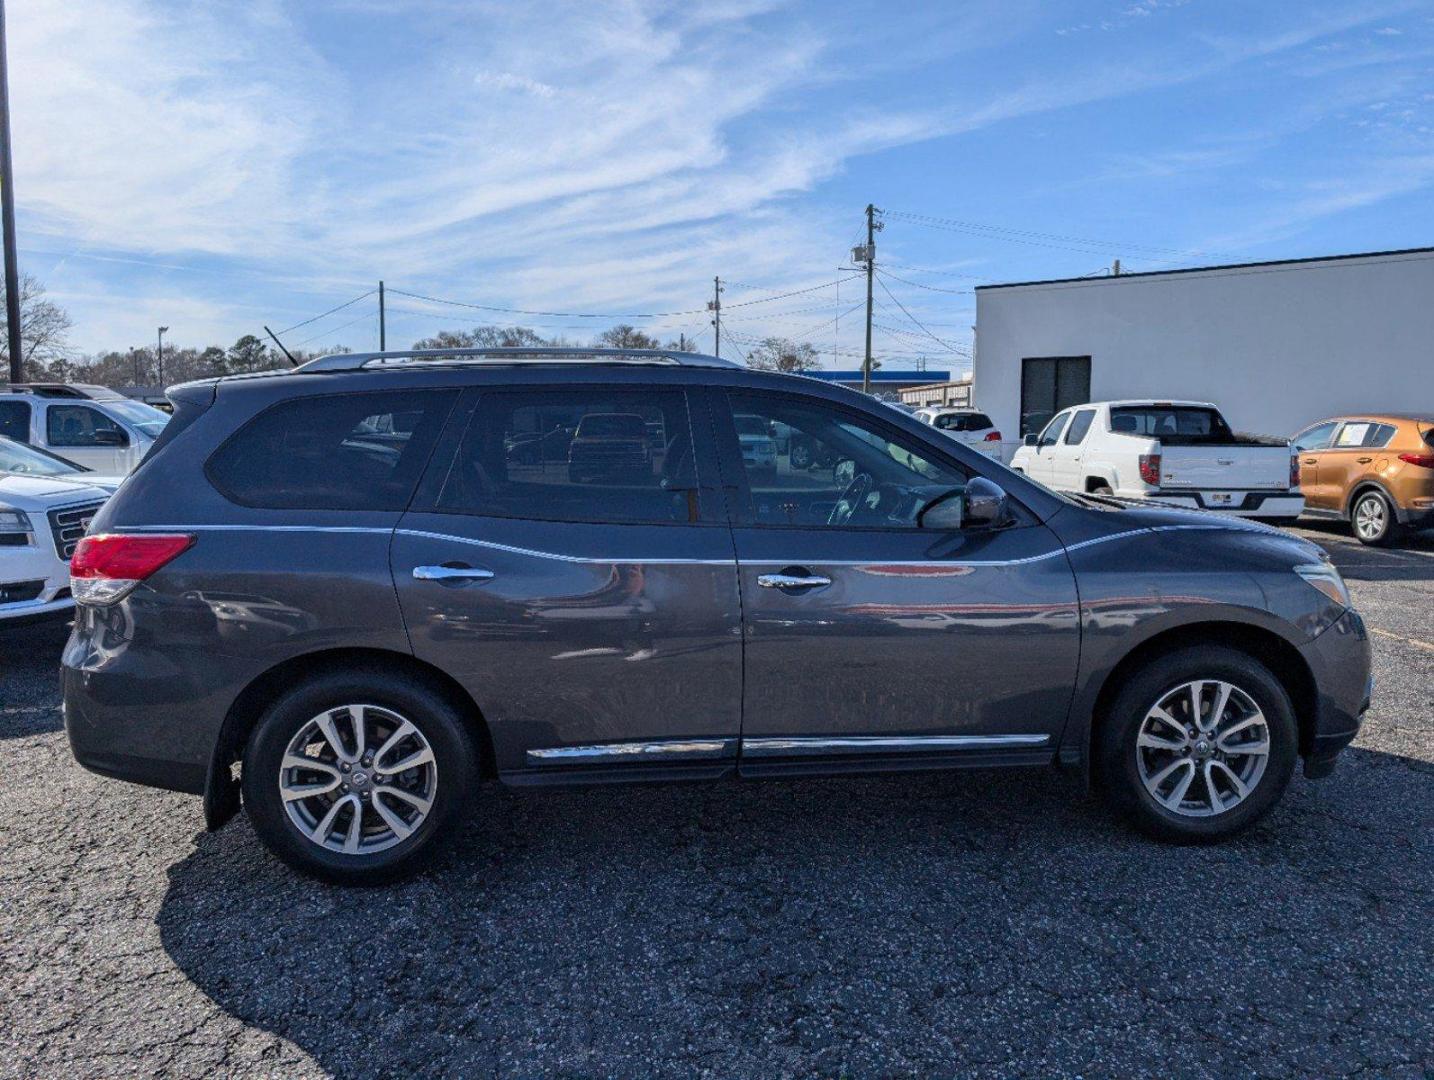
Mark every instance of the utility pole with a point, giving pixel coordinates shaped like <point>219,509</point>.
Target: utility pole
<point>1115,268</point>
<point>382,330</point>
<point>134,359</point>
<point>868,256</point>
<point>159,355</point>
<point>715,306</point>
<point>7,213</point>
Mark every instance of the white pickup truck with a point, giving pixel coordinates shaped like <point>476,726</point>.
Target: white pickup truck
<point>1180,452</point>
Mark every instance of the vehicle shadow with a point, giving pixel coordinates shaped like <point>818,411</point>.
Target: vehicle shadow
<point>30,679</point>
<point>957,924</point>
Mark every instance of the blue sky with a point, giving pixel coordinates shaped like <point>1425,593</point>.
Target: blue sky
<point>217,166</point>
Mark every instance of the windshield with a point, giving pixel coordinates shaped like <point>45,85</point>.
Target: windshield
<point>149,420</point>
<point>17,457</point>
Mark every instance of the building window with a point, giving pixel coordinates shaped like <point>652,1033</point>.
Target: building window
<point>1050,384</point>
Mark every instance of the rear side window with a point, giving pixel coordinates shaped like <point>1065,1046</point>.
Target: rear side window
<point>339,452</point>
<point>593,455</point>
<point>1363,434</point>
<point>15,420</point>
<point>1080,424</point>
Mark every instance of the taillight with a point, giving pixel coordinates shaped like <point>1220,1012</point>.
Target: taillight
<point>1425,461</point>
<point>107,567</point>
<point>1150,469</point>
<point>992,436</point>
<point>1294,470</point>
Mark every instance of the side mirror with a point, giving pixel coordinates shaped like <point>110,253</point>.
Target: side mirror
<point>1031,439</point>
<point>945,512</point>
<point>110,437</point>
<point>986,505</point>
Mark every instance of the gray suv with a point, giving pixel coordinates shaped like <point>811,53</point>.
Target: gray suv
<point>350,592</point>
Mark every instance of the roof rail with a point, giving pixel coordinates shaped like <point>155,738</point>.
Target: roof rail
<point>420,357</point>
<point>67,390</point>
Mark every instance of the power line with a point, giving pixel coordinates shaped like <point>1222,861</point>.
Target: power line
<point>316,318</point>
<point>332,329</point>
<point>1032,236</point>
<point>601,315</point>
<point>929,288</point>
<point>915,321</point>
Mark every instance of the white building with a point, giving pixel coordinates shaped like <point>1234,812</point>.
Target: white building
<point>1276,345</point>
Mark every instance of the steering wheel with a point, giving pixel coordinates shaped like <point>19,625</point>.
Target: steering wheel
<point>850,499</point>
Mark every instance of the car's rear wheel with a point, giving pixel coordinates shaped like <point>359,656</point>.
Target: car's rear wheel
<point>1199,744</point>
<point>358,777</point>
<point>1373,519</point>
<point>800,456</point>
<point>1101,489</point>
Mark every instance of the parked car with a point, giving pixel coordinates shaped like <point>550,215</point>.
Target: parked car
<point>23,460</point>
<point>449,619</point>
<point>759,447</point>
<point>611,447</point>
<point>1178,452</point>
<point>967,426</point>
<point>42,518</point>
<point>89,425</point>
<point>1375,471</point>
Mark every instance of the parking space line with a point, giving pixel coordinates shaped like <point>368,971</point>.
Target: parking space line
<point>1400,637</point>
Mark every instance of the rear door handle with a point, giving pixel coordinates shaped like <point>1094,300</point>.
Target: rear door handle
<point>792,581</point>
<point>454,574</point>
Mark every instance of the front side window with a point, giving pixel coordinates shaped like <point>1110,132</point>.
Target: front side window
<point>838,469</point>
<point>335,452</point>
<point>17,457</point>
<point>589,455</point>
<point>1052,433</point>
<point>82,426</point>
<point>1315,438</point>
<point>15,420</point>
<point>1080,424</point>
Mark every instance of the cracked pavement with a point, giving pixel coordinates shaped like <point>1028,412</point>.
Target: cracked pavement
<point>966,924</point>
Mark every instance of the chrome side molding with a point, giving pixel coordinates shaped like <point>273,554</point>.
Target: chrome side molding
<point>634,752</point>
<point>877,744</point>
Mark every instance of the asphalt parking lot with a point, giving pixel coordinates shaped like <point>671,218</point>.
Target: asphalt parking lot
<point>953,925</point>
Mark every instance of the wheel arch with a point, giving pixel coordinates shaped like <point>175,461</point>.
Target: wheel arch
<point>1368,484</point>
<point>1266,646</point>
<point>221,793</point>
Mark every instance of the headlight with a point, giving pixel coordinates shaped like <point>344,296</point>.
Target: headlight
<point>1326,578</point>
<point>14,521</point>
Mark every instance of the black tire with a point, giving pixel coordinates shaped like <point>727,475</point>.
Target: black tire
<point>800,457</point>
<point>1379,507</point>
<point>1100,489</point>
<point>1117,755</point>
<point>455,761</point>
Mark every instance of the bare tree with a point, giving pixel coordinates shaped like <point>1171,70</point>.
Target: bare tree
<point>484,337</point>
<point>623,336</point>
<point>783,354</point>
<point>44,333</point>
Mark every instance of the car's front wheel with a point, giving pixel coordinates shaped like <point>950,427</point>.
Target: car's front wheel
<point>1199,744</point>
<point>357,777</point>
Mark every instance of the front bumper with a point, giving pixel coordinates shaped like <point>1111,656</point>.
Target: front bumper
<point>1344,686</point>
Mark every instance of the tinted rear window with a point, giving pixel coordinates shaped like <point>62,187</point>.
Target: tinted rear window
<point>339,452</point>
<point>1079,426</point>
<point>1188,423</point>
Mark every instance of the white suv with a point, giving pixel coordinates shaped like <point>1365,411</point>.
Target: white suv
<point>41,520</point>
<point>966,426</point>
<point>89,425</point>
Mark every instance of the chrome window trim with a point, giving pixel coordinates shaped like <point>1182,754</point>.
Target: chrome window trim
<point>626,752</point>
<point>777,746</point>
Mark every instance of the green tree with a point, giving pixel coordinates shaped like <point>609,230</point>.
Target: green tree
<point>249,354</point>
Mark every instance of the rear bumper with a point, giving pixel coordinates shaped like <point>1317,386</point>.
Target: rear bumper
<point>1340,661</point>
<point>1264,504</point>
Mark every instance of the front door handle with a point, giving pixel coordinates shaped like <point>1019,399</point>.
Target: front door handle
<point>1311,461</point>
<point>1364,460</point>
<point>452,574</point>
<point>792,581</point>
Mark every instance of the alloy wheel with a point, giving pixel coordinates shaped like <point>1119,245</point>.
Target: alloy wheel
<point>1202,748</point>
<point>358,779</point>
<point>1371,517</point>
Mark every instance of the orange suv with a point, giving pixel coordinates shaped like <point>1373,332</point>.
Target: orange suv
<point>1375,471</point>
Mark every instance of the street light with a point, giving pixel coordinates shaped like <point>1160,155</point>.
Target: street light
<point>159,356</point>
